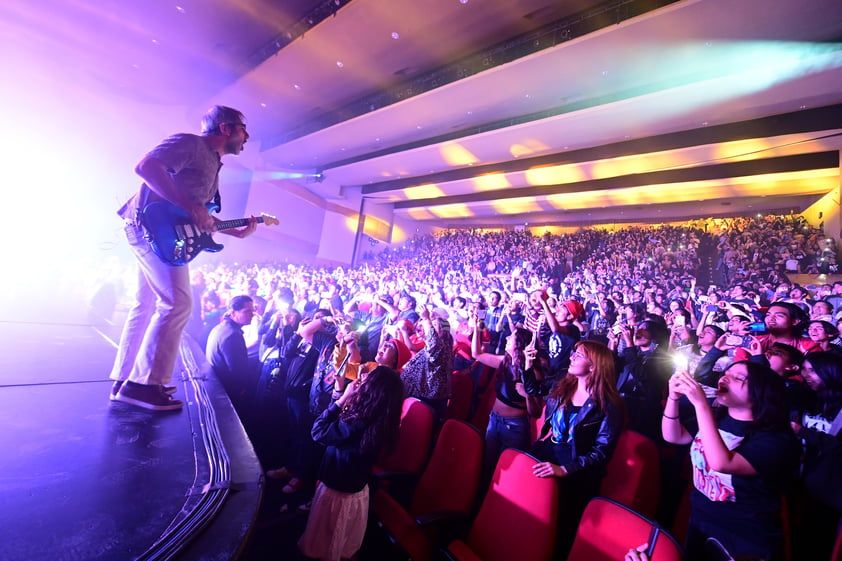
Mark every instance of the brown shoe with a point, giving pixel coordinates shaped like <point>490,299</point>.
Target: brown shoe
<point>152,397</point>
<point>115,389</point>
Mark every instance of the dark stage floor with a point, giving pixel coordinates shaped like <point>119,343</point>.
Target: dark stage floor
<point>82,478</point>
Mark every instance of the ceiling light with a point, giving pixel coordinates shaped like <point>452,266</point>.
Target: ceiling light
<point>340,64</point>
<point>296,86</point>
<point>180,10</point>
<point>396,35</point>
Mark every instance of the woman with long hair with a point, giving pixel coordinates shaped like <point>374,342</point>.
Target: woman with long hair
<point>582,423</point>
<point>820,431</point>
<point>743,456</point>
<point>822,372</point>
<point>356,429</point>
<point>508,425</point>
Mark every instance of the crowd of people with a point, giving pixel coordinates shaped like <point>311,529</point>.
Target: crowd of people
<point>692,335</point>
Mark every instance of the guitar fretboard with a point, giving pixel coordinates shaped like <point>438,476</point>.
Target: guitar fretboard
<point>236,223</point>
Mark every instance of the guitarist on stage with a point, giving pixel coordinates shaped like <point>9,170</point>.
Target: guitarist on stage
<point>183,170</point>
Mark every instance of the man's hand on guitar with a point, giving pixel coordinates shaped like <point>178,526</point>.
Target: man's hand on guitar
<point>201,219</point>
<point>242,232</point>
<point>177,237</point>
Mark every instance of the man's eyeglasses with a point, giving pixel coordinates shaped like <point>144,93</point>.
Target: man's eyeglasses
<point>235,124</point>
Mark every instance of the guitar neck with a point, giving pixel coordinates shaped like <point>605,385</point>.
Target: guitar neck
<point>236,223</point>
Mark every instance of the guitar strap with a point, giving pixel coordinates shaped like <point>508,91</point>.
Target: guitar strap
<point>142,201</point>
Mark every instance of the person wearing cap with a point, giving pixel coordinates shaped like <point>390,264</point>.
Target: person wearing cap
<point>427,374</point>
<point>392,353</point>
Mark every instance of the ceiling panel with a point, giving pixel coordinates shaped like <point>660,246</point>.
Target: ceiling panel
<point>509,111</point>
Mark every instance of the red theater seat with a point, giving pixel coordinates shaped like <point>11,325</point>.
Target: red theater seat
<point>634,473</point>
<point>447,489</point>
<point>461,396</point>
<point>608,530</point>
<point>410,454</point>
<point>518,517</point>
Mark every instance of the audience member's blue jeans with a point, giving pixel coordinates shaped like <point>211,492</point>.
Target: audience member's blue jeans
<point>505,432</point>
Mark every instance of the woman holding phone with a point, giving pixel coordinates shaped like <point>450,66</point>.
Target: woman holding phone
<point>743,454</point>
<point>508,425</point>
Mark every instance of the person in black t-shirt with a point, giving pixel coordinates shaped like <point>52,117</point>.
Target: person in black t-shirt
<point>743,457</point>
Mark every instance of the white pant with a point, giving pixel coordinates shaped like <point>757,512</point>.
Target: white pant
<point>150,340</point>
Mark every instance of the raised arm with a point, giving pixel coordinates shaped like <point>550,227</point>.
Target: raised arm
<point>719,457</point>
<point>487,359</point>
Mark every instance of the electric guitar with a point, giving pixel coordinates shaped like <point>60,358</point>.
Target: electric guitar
<point>175,240</point>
